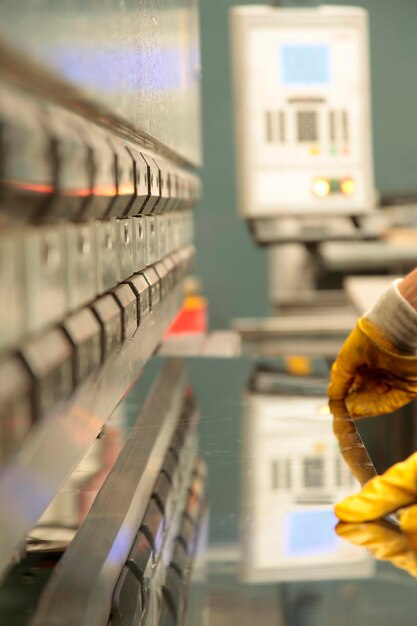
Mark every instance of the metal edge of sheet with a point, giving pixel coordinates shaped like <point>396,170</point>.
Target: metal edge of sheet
<point>54,446</point>
<point>81,588</point>
<point>306,325</point>
<point>265,347</point>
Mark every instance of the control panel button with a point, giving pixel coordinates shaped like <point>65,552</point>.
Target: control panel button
<point>127,600</point>
<point>142,291</point>
<point>49,359</point>
<point>126,299</point>
<point>108,314</point>
<point>84,332</point>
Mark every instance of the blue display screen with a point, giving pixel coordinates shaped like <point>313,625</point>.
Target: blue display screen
<point>305,64</point>
<point>310,533</point>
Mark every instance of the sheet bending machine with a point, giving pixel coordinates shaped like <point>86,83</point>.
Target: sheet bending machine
<point>99,145</point>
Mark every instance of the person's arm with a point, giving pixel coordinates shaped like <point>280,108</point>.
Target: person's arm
<point>408,288</point>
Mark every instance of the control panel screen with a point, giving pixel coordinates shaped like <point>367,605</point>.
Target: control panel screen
<point>310,533</point>
<point>304,64</point>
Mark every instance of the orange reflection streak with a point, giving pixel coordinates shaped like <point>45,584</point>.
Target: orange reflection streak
<point>98,190</point>
<point>104,190</point>
<point>36,187</point>
<point>77,193</point>
<point>126,189</point>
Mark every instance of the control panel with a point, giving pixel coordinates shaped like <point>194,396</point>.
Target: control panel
<point>302,106</point>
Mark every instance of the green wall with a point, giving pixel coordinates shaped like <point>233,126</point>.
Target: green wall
<point>232,269</point>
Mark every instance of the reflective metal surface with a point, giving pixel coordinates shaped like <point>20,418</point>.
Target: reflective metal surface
<point>31,478</point>
<point>114,51</point>
<point>80,592</point>
<point>307,330</point>
<point>277,462</point>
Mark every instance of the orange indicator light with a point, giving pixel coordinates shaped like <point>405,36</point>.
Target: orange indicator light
<point>348,186</point>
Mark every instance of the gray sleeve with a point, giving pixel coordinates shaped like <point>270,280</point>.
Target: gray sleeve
<point>395,316</point>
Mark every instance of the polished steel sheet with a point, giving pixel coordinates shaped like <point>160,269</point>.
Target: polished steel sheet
<point>81,588</point>
<point>140,59</point>
<point>32,477</point>
<point>308,333</point>
<point>275,553</point>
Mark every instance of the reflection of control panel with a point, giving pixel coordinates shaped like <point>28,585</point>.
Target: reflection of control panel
<point>296,474</point>
<point>302,110</point>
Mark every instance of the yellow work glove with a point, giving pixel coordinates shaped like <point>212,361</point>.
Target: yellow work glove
<point>393,491</point>
<point>370,374</point>
<point>384,541</point>
<point>388,493</point>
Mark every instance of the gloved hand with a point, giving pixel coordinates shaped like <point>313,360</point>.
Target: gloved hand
<point>384,541</point>
<point>388,493</point>
<point>394,491</point>
<point>371,375</point>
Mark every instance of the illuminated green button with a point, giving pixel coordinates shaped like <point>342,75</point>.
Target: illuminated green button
<point>334,185</point>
